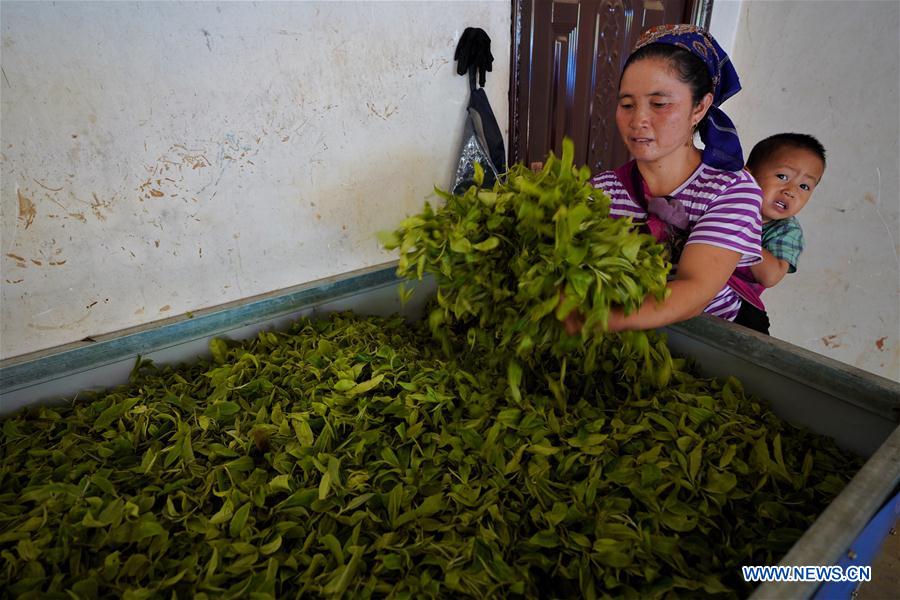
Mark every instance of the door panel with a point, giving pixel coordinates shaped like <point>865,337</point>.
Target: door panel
<point>566,60</point>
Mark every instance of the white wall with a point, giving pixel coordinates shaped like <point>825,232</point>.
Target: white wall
<point>723,23</point>
<point>159,158</point>
<point>831,69</point>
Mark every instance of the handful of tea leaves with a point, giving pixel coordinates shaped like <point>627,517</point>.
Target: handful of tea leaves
<point>501,257</point>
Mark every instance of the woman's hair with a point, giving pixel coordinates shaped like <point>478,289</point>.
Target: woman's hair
<point>690,69</point>
<point>765,149</point>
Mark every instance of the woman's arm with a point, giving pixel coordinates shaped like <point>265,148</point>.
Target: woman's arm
<point>702,272</point>
<point>771,270</point>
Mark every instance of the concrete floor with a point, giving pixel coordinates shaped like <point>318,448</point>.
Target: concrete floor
<point>885,584</point>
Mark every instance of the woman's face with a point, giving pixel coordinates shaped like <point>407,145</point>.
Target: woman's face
<point>656,114</point>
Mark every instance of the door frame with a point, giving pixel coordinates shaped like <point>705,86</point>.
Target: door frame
<point>696,12</point>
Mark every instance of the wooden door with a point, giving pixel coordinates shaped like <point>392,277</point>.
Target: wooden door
<point>566,59</point>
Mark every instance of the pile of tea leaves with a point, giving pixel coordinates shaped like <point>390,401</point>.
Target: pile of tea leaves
<point>354,457</point>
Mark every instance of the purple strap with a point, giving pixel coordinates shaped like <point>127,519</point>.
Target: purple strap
<point>661,212</point>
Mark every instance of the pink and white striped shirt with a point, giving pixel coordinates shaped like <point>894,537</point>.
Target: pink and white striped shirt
<point>723,210</point>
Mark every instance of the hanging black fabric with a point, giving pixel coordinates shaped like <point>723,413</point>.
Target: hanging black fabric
<point>473,53</point>
<point>482,141</point>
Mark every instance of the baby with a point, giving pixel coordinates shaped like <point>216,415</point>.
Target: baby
<point>788,167</point>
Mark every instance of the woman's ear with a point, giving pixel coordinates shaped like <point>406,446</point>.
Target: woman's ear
<point>700,109</point>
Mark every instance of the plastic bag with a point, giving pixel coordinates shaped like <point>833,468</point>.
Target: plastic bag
<point>482,141</point>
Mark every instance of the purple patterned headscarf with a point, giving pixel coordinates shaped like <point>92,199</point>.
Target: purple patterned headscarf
<point>722,146</point>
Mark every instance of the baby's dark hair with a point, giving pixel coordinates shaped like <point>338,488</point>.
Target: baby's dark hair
<point>691,69</point>
<point>765,149</point>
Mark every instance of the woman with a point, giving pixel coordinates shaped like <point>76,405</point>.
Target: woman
<point>700,203</point>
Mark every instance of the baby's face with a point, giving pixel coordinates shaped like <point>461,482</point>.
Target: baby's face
<point>787,180</point>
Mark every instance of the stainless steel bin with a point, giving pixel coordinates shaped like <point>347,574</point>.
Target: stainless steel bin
<point>859,410</point>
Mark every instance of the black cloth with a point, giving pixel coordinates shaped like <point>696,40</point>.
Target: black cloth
<point>473,51</point>
<point>752,317</point>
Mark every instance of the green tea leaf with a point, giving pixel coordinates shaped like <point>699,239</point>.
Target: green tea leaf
<point>324,486</point>
<point>239,520</point>
<point>219,350</point>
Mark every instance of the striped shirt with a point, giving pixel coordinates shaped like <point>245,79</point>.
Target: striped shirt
<point>723,210</point>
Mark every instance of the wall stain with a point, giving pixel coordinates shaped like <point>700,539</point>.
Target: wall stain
<point>20,262</point>
<point>196,159</point>
<point>165,308</point>
<point>97,204</point>
<point>829,341</point>
<point>385,113</point>
<point>175,160</point>
<point>57,327</point>
<point>27,212</point>
<point>879,343</point>
<point>206,35</point>
<point>46,187</point>
<point>50,258</point>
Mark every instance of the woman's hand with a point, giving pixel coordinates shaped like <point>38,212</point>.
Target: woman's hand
<point>574,321</point>
<point>702,272</point>
<point>616,320</point>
